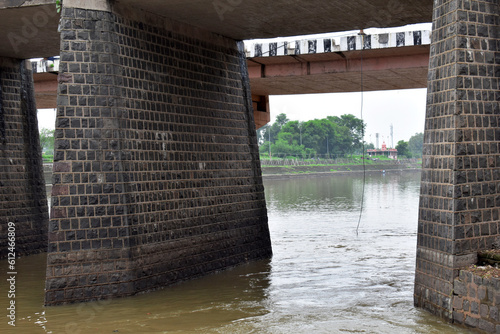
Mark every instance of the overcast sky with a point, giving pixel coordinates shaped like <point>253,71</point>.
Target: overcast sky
<point>404,109</point>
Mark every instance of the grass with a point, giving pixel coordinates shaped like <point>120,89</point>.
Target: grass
<point>48,157</point>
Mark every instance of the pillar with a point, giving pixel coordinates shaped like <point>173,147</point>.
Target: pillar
<point>261,110</point>
<point>23,200</point>
<point>460,193</point>
<point>157,175</point>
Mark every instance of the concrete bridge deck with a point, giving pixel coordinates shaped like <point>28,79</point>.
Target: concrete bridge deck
<point>397,60</point>
<point>30,26</point>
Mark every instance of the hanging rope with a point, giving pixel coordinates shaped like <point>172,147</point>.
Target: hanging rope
<point>362,34</point>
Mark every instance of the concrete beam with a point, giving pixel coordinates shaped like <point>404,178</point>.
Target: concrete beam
<point>29,27</point>
<point>24,3</point>
<point>46,90</point>
<point>250,19</point>
<point>29,31</point>
<point>261,111</point>
<point>102,5</point>
<point>334,73</point>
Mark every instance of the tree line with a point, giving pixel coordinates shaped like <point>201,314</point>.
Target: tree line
<point>330,137</point>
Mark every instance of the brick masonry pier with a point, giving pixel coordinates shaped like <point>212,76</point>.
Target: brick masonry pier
<point>156,176</point>
<point>22,187</point>
<point>459,202</point>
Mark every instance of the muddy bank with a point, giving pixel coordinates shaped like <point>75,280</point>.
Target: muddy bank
<point>285,172</point>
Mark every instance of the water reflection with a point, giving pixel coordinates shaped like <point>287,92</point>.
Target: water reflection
<point>195,306</point>
<point>323,277</point>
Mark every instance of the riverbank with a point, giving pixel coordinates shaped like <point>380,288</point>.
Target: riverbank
<point>286,172</point>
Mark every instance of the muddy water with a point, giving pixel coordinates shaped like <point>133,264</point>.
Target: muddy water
<point>324,277</point>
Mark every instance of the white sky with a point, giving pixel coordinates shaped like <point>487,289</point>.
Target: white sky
<point>46,119</point>
<point>405,109</point>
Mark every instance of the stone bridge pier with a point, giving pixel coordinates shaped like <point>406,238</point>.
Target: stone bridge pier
<point>156,174</point>
<point>460,193</point>
<point>22,186</point>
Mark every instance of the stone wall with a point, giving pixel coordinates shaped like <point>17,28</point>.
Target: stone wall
<point>459,203</point>
<point>476,300</point>
<point>156,173</point>
<point>22,188</point>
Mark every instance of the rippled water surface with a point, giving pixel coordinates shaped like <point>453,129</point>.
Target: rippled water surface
<point>324,277</point>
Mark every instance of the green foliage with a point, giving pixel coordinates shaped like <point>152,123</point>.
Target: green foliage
<point>47,140</point>
<point>58,5</point>
<point>329,137</point>
<point>48,157</point>
<point>416,145</point>
<point>403,150</point>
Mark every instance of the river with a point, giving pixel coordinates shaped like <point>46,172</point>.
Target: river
<point>324,277</point>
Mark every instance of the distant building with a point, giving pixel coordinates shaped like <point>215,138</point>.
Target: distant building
<point>391,153</point>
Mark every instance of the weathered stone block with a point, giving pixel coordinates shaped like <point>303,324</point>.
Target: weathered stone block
<point>459,288</point>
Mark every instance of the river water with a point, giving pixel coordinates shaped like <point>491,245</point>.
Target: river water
<point>323,278</point>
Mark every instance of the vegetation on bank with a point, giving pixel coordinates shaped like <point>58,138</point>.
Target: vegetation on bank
<point>354,160</point>
<point>47,144</point>
<point>329,138</point>
<point>331,141</point>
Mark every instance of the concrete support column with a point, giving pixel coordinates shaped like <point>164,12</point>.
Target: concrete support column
<point>157,175</point>
<point>261,110</point>
<point>23,199</point>
<point>459,202</point>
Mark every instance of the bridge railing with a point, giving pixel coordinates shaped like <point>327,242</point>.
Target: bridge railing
<point>46,65</point>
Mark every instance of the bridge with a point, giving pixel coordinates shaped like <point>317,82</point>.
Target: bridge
<point>389,61</point>
<point>398,60</point>
<point>157,177</point>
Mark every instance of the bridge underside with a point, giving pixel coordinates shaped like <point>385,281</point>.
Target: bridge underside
<point>339,72</point>
<point>31,26</point>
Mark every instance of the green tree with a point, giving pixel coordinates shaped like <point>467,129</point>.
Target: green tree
<point>275,129</point>
<point>314,136</point>
<point>293,127</point>
<point>416,144</point>
<point>271,131</point>
<point>369,146</point>
<point>403,150</point>
<point>356,129</point>
<point>281,120</point>
<point>331,136</point>
<point>47,139</point>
